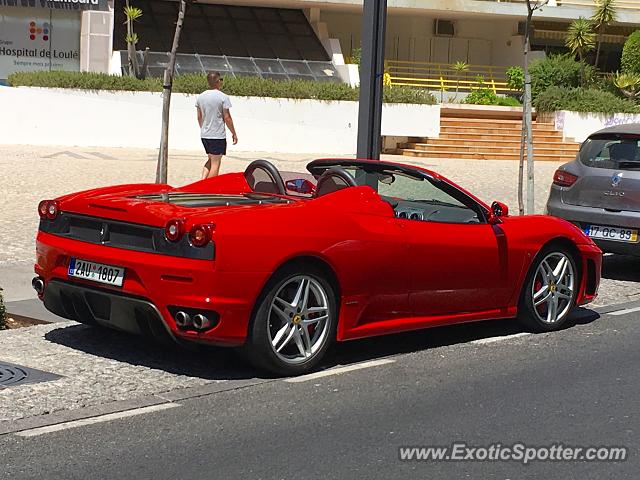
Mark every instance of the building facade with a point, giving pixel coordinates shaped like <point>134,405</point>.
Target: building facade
<point>84,34</point>
<point>54,35</point>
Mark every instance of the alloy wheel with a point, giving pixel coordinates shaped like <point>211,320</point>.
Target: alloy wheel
<point>553,288</point>
<point>299,319</point>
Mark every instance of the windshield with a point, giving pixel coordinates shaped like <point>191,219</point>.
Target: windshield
<point>398,185</point>
<point>614,151</point>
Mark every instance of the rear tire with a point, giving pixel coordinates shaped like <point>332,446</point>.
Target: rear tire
<point>549,291</point>
<point>294,322</point>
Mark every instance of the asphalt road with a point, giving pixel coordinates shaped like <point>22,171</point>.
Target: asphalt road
<point>577,387</point>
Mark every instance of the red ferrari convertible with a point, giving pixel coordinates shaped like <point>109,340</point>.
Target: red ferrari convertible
<point>283,267</point>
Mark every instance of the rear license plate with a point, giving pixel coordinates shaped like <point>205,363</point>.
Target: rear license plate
<point>96,272</point>
<point>612,233</point>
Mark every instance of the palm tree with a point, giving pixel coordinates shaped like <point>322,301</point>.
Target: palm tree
<point>132,14</point>
<point>581,40</point>
<point>604,14</point>
<point>460,68</point>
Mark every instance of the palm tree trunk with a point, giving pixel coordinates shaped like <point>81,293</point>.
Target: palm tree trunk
<point>600,33</point>
<point>131,48</point>
<point>163,154</point>
<point>581,56</point>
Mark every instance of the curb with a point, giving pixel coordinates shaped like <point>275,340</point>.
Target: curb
<point>64,416</point>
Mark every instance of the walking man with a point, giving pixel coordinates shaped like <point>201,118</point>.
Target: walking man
<point>213,114</point>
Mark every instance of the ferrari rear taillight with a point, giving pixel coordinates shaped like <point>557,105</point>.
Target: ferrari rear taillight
<point>48,209</point>
<point>564,179</point>
<point>200,235</point>
<point>42,208</point>
<point>174,230</point>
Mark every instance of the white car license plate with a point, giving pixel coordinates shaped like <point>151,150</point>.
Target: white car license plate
<point>96,272</point>
<point>612,233</point>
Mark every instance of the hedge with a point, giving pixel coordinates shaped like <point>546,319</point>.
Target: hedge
<point>582,100</point>
<point>195,83</point>
<point>630,62</point>
<point>558,71</point>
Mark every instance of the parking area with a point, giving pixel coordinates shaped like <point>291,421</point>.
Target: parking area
<point>100,367</point>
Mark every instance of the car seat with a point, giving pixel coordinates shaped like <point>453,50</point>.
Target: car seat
<point>334,179</point>
<point>263,177</point>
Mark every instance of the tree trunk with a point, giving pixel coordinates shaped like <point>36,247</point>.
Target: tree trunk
<point>523,137</point>
<point>163,154</point>
<point>600,33</point>
<point>527,134</point>
<point>581,68</point>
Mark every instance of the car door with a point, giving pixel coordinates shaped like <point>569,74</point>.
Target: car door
<point>456,267</point>
<point>371,254</point>
<point>457,262</point>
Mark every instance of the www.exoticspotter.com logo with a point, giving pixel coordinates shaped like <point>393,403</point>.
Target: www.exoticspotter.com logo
<point>36,31</point>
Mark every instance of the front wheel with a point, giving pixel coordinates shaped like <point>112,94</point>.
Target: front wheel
<point>294,323</point>
<point>550,291</point>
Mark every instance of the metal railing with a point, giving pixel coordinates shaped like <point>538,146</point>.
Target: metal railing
<point>444,77</point>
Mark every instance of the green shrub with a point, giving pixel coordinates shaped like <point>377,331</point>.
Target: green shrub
<point>631,54</point>
<point>356,56</point>
<point>83,81</point>
<point>558,71</point>
<point>484,95</point>
<point>194,84</point>
<point>408,95</point>
<point>582,100</point>
<point>3,313</point>
<point>509,102</point>
<point>607,84</point>
<point>515,78</point>
<point>481,96</point>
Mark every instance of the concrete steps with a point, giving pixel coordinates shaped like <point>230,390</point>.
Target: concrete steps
<point>489,139</point>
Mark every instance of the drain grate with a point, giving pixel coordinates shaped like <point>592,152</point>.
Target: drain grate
<point>12,375</point>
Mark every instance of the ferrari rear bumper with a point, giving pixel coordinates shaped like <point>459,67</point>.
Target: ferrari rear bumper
<point>94,306</point>
<point>155,289</point>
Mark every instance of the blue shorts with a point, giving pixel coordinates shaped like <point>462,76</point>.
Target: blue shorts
<point>215,146</point>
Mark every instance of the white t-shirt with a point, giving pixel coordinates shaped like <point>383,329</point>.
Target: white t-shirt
<point>212,103</point>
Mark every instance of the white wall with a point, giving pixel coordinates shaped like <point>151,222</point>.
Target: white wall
<point>478,40</point>
<point>578,126</point>
<point>132,119</point>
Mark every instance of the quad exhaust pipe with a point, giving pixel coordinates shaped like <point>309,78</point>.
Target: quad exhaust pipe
<point>197,322</point>
<point>200,322</point>
<point>183,320</point>
<point>38,285</point>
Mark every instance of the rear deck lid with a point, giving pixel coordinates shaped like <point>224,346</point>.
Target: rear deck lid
<point>157,208</point>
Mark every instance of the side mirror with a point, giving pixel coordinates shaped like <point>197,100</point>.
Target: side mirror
<point>300,185</point>
<point>498,210</point>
